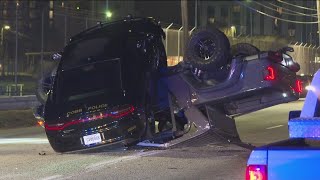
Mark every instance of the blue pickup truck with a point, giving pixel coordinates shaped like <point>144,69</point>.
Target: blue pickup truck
<point>297,157</point>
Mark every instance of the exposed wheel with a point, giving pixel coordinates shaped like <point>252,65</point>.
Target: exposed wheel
<point>244,49</point>
<point>208,49</point>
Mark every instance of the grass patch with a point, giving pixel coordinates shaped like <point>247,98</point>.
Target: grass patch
<point>16,118</point>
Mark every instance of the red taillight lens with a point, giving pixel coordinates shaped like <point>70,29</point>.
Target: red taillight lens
<point>298,87</point>
<point>114,114</point>
<point>40,122</point>
<point>270,74</point>
<point>256,172</point>
<point>61,126</point>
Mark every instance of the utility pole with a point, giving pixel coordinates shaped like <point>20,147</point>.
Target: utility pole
<point>185,24</point>
<point>251,23</point>
<point>196,14</point>
<point>42,30</point>
<point>2,53</point>
<point>65,27</point>
<point>16,57</point>
<point>318,12</point>
<point>92,11</point>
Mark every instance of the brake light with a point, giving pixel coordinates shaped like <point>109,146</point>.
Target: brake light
<point>256,172</point>
<point>298,88</point>
<point>270,74</point>
<point>40,122</point>
<point>61,126</point>
<point>115,114</point>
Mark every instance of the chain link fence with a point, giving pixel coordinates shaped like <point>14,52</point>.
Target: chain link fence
<point>308,56</point>
<point>34,52</point>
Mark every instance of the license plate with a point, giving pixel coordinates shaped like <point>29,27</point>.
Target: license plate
<point>92,139</point>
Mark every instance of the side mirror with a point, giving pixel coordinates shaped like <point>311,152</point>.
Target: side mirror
<point>38,112</point>
<point>294,114</point>
<point>56,56</point>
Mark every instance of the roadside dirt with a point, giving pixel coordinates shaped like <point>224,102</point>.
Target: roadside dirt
<point>16,118</point>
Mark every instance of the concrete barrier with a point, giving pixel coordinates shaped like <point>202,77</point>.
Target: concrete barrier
<point>18,102</point>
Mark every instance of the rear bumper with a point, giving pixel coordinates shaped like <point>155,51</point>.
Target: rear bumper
<point>130,127</point>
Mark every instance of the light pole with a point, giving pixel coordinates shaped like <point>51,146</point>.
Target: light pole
<point>318,13</point>
<point>5,27</point>
<point>2,53</point>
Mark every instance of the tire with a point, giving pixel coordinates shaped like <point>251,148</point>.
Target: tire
<point>208,49</point>
<point>244,49</point>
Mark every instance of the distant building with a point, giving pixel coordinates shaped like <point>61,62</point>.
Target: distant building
<point>228,14</point>
<point>61,20</point>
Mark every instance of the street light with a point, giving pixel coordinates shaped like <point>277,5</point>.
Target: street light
<point>233,31</point>
<point>108,14</point>
<point>5,27</point>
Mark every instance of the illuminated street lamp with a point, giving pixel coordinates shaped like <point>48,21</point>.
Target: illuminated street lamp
<point>5,27</point>
<point>233,31</point>
<point>108,14</point>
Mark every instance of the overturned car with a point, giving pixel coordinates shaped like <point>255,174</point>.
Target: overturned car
<point>112,84</point>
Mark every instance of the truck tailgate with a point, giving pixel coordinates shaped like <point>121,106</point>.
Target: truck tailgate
<point>293,164</point>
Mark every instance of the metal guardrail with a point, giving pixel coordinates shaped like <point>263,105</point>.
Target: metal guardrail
<point>14,89</point>
<point>18,102</point>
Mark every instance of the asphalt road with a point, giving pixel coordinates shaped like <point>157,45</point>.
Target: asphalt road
<point>26,154</point>
<point>267,125</point>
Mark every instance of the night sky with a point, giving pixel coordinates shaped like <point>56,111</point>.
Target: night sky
<point>165,11</point>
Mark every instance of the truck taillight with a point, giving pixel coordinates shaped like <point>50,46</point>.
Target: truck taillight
<point>256,172</point>
<point>270,73</point>
<point>298,87</point>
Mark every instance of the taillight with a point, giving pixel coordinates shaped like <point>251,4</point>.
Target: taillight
<point>275,56</point>
<point>298,87</point>
<point>61,126</point>
<point>256,172</point>
<point>270,74</point>
<point>114,114</point>
<point>40,122</point>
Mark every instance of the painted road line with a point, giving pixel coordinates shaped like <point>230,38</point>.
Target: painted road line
<point>23,141</point>
<point>273,127</point>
